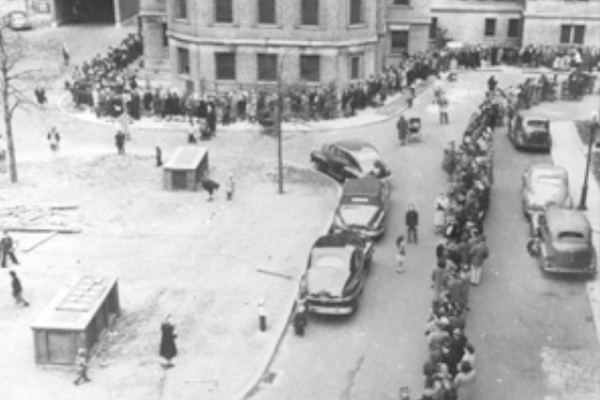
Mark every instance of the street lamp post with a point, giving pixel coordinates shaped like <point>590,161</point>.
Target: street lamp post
<point>593,132</point>
<point>279,123</point>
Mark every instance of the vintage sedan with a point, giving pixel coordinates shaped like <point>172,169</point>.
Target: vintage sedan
<point>18,21</point>
<point>543,185</point>
<point>362,207</point>
<point>336,273</point>
<point>350,159</point>
<point>565,242</point>
<point>531,132</point>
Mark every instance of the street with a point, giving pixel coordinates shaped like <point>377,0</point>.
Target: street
<point>534,334</point>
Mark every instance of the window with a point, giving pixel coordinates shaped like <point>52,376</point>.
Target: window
<point>181,9</point>
<point>356,12</point>
<point>356,67</point>
<point>310,68</point>
<point>399,42</point>
<point>513,28</point>
<point>266,12</point>
<point>490,26</point>
<point>401,2</point>
<point>183,61</point>
<point>572,34</point>
<point>225,66</point>
<point>310,12</point>
<point>267,67</point>
<point>433,27</point>
<point>224,11</point>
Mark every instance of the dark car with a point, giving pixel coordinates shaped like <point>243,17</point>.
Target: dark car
<point>565,242</point>
<point>350,159</point>
<point>336,273</point>
<point>18,21</point>
<point>362,207</point>
<point>531,132</point>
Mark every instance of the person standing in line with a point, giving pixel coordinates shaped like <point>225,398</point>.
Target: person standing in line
<point>400,254</point>
<point>439,215</point>
<point>7,244</point>
<point>81,362</point>
<point>464,382</point>
<point>412,222</point>
<point>54,140</point>
<point>479,253</point>
<point>120,142</point>
<point>229,187</point>
<point>17,289</point>
<point>168,348</point>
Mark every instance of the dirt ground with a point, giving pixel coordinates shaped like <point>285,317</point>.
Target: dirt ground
<point>174,253</point>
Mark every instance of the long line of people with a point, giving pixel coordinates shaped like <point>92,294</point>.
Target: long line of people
<point>449,372</point>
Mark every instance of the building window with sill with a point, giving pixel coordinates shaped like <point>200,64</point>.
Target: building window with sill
<point>181,11</point>
<point>267,67</point>
<point>225,66</point>
<point>266,12</point>
<point>224,11</point>
<point>356,12</point>
<point>309,12</point>
<point>399,41</point>
<point>356,70</point>
<point>572,34</point>
<point>310,68</point>
<point>183,61</point>
<point>490,27</point>
<point>514,26</point>
<point>401,2</point>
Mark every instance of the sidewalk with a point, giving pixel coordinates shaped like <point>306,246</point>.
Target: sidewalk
<point>568,151</point>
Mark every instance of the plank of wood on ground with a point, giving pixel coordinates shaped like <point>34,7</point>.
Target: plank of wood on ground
<point>39,242</point>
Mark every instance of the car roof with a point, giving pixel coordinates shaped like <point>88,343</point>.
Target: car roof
<point>353,145</point>
<point>367,186</point>
<point>528,118</point>
<point>559,219</point>
<point>548,169</point>
<point>329,257</point>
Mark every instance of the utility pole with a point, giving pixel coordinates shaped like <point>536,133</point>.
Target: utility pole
<point>279,122</point>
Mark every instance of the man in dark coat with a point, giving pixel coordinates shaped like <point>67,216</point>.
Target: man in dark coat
<point>17,290</point>
<point>120,142</point>
<point>168,348</point>
<point>402,126</point>
<point>412,221</point>
<point>7,245</point>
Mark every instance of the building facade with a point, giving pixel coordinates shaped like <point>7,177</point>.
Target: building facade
<point>211,45</point>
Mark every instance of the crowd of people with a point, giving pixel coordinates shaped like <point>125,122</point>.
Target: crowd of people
<point>555,57</point>
<point>449,371</point>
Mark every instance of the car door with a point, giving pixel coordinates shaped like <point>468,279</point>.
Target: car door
<point>338,162</point>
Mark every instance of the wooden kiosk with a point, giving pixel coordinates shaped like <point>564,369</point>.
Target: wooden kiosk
<point>77,318</point>
<point>186,168</point>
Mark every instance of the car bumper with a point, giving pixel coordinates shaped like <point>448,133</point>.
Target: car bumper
<point>342,307</point>
<point>552,268</point>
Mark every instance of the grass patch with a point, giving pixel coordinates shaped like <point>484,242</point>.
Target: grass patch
<point>584,129</point>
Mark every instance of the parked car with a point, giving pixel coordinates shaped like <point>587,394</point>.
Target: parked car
<point>350,159</point>
<point>565,242</point>
<point>543,185</point>
<point>336,273</point>
<point>362,207</point>
<point>531,132</point>
<point>18,20</point>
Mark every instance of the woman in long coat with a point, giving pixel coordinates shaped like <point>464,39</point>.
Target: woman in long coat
<point>168,348</point>
<point>439,216</point>
<point>464,382</point>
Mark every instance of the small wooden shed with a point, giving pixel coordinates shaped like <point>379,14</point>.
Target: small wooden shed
<point>186,168</point>
<point>77,318</point>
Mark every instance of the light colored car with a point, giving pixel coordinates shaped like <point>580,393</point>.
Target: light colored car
<point>543,185</point>
<point>336,273</point>
<point>565,242</point>
<point>18,21</point>
<point>362,207</point>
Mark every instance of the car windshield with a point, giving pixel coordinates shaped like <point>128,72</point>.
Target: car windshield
<point>537,124</point>
<point>366,157</point>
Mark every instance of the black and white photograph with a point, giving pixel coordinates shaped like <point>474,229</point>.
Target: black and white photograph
<point>300,199</point>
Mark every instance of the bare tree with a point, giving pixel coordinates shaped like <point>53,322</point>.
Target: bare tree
<point>23,64</point>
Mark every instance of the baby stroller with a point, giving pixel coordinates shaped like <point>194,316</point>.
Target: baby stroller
<point>414,130</point>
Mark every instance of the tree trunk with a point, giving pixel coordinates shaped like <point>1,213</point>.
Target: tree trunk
<point>12,163</point>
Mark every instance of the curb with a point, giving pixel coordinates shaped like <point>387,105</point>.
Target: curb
<point>283,327</point>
